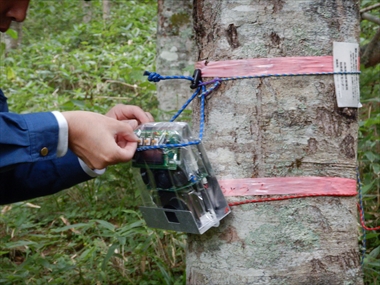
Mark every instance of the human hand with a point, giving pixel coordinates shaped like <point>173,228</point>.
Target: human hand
<point>133,114</point>
<point>101,140</point>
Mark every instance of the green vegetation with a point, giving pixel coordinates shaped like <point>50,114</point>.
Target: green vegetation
<point>93,233</point>
<point>369,163</point>
<point>369,152</point>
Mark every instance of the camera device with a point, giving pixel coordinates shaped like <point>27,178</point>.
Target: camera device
<point>178,187</point>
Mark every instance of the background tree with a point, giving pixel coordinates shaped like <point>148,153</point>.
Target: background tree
<point>370,52</point>
<point>106,9</point>
<point>277,127</point>
<point>175,52</point>
<point>369,134</point>
<point>87,11</point>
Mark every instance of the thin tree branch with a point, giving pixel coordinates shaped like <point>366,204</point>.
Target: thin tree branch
<point>371,18</point>
<point>114,98</point>
<point>370,55</point>
<point>122,83</point>
<point>369,8</point>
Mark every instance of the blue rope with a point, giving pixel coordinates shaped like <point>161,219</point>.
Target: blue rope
<point>286,74</point>
<point>185,105</point>
<point>176,145</point>
<point>202,119</point>
<point>364,241</point>
<point>155,77</point>
<point>200,128</point>
<point>280,75</point>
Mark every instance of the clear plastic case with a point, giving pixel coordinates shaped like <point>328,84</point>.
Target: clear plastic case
<point>178,187</point>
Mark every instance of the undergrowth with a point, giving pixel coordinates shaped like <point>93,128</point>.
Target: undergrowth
<point>92,233</point>
<point>369,165</point>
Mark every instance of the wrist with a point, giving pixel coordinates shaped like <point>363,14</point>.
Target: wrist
<point>91,172</point>
<point>63,134</point>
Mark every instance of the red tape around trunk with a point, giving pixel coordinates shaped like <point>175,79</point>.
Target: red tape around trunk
<point>262,66</point>
<point>289,186</point>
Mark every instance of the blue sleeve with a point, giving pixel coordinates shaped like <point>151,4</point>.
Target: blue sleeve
<point>30,180</point>
<point>27,137</point>
<point>29,166</point>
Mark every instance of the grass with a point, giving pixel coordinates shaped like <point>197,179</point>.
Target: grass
<point>93,233</point>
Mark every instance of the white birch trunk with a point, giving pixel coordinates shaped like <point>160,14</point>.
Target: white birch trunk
<point>175,52</point>
<point>278,127</point>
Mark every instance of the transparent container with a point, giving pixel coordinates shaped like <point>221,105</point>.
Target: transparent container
<point>178,187</point>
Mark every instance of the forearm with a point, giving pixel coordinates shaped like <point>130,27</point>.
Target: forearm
<point>41,178</point>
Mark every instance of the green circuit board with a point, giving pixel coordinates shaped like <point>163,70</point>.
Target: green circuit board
<point>163,158</point>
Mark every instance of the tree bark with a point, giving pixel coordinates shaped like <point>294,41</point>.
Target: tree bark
<point>87,11</point>
<point>370,53</point>
<point>106,9</point>
<point>277,127</point>
<point>175,52</point>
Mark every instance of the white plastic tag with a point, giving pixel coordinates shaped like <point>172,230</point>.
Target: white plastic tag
<point>346,59</point>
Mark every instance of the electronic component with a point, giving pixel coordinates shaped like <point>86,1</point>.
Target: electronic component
<point>179,189</point>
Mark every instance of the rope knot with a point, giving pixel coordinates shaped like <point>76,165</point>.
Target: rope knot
<point>215,81</point>
<point>153,76</point>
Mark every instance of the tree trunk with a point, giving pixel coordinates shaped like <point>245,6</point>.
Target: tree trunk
<point>370,53</point>
<point>87,11</point>
<point>175,52</point>
<point>106,9</point>
<point>277,127</point>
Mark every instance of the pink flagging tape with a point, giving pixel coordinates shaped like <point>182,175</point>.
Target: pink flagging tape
<point>289,186</point>
<point>262,66</point>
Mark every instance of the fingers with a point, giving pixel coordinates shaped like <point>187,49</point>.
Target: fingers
<point>99,140</point>
<point>125,130</point>
<point>127,142</point>
<point>125,112</point>
<point>149,116</point>
<point>126,151</point>
<point>133,123</point>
